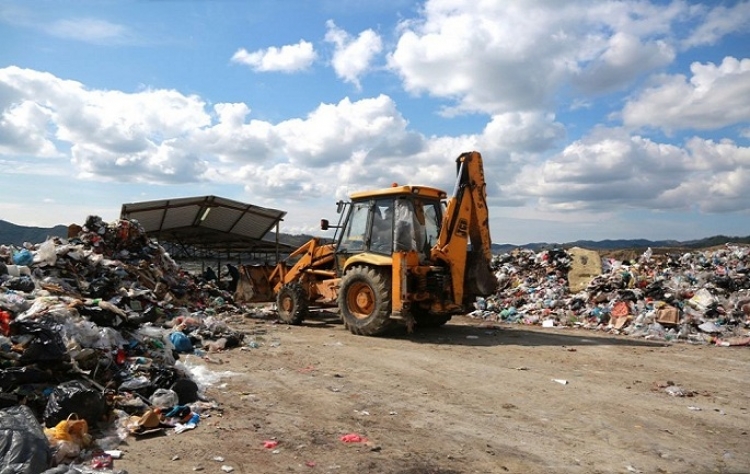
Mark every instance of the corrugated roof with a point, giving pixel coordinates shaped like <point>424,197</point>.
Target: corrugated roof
<point>208,222</point>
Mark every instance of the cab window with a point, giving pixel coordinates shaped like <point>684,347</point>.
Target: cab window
<point>353,237</point>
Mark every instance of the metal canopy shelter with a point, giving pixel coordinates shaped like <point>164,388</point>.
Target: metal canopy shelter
<point>209,223</point>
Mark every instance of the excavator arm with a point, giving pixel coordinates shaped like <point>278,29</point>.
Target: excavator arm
<point>466,220</point>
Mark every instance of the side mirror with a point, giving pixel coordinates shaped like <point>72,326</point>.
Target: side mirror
<point>324,224</point>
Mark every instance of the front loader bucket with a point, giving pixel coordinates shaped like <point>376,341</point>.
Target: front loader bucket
<point>254,285</point>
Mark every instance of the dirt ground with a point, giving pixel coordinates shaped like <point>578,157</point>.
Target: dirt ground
<point>466,398</point>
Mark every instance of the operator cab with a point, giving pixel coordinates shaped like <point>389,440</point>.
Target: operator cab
<point>397,219</point>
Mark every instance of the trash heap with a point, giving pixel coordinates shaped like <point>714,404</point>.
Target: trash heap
<point>91,331</point>
<point>700,297</point>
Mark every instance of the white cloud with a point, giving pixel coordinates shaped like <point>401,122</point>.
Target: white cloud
<point>352,57</point>
<point>719,22</point>
<point>714,97</point>
<point>163,136</point>
<point>288,58</point>
<point>495,57</point>
<point>332,132</point>
<point>23,130</point>
<point>112,135</point>
<point>625,58</point>
<point>90,30</point>
<point>611,171</point>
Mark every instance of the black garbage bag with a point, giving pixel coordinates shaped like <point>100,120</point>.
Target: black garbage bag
<point>102,287</point>
<point>100,316</point>
<point>22,283</point>
<point>164,377</point>
<point>45,343</point>
<point>74,397</point>
<point>13,377</point>
<point>24,448</point>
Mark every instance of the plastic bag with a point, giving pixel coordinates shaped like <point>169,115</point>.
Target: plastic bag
<point>68,438</point>
<point>44,341</point>
<point>23,257</point>
<point>74,397</point>
<point>163,398</point>
<point>46,254</point>
<point>181,342</point>
<point>25,449</point>
<point>22,283</point>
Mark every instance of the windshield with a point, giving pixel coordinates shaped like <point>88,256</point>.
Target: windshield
<point>392,224</point>
<point>353,238</point>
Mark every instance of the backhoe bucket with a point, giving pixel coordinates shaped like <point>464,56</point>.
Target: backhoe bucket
<point>480,280</point>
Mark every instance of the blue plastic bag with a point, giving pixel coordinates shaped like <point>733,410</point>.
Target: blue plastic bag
<point>181,342</point>
<point>23,257</point>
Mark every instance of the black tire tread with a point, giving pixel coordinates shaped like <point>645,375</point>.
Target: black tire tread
<point>379,322</point>
<point>299,297</point>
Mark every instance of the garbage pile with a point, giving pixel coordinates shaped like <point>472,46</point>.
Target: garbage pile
<point>700,297</point>
<point>91,331</point>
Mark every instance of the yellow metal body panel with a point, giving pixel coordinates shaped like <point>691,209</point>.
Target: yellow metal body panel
<point>424,191</point>
<point>466,219</point>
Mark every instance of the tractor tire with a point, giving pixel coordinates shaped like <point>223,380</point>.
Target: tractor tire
<point>365,301</point>
<point>291,304</point>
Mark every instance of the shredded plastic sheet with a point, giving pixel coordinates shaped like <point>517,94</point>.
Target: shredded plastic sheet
<point>202,375</point>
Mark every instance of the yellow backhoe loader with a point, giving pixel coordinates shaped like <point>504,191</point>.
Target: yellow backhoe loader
<point>402,255</point>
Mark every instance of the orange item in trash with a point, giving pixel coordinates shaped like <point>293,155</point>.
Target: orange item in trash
<point>353,438</point>
<point>621,309</point>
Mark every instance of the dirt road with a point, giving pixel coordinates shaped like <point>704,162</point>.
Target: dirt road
<point>464,398</point>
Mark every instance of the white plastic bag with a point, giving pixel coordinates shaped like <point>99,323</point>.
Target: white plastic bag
<point>46,254</point>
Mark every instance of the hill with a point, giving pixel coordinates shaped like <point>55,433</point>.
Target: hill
<point>12,234</point>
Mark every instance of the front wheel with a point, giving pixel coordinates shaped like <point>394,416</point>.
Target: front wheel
<point>365,301</point>
<point>291,303</point>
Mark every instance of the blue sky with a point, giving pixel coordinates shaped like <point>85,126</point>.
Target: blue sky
<point>596,119</point>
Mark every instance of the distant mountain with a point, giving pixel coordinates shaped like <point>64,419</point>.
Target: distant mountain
<point>11,234</point>
<point>626,244</point>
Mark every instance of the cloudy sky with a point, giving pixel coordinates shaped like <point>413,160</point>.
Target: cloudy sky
<point>596,119</point>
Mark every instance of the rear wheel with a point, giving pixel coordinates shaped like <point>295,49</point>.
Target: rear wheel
<point>291,303</point>
<point>365,301</point>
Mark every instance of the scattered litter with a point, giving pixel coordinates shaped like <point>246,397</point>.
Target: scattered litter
<point>676,391</point>
<point>694,408</point>
<point>560,381</point>
<point>226,468</point>
<point>698,297</point>
<point>353,438</point>
<point>270,444</point>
